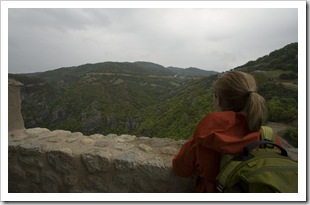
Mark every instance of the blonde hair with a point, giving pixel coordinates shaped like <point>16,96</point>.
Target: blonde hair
<point>237,92</point>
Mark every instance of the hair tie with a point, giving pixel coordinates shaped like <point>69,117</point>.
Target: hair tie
<point>251,91</point>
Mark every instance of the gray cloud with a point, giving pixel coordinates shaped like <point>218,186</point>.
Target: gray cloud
<point>216,39</point>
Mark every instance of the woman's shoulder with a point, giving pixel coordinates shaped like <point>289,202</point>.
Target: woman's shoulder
<point>220,120</point>
<point>223,116</point>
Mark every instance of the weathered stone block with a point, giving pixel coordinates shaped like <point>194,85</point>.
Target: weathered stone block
<point>37,132</point>
<point>51,182</point>
<point>154,168</point>
<point>125,138</point>
<point>145,147</point>
<point>126,161</point>
<point>86,141</point>
<point>160,142</point>
<point>55,139</point>
<point>33,176</point>
<point>112,136</point>
<point>70,180</point>
<point>16,173</point>
<point>61,133</point>
<point>31,161</point>
<point>76,134</point>
<point>96,136</point>
<point>96,184</point>
<point>122,179</point>
<point>123,146</point>
<point>18,135</point>
<point>31,149</point>
<point>62,160</point>
<point>97,160</point>
<point>12,151</point>
<point>102,144</point>
<point>168,150</point>
<point>141,185</point>
<point>72,139</point>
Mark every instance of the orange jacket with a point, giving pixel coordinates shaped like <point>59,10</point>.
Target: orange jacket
<point>217,133</point>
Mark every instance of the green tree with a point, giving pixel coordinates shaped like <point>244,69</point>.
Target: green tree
<point>282,110</point>
<point>290,135</point>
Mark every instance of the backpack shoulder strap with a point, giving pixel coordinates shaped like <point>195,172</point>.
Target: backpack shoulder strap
<point>266,134</point>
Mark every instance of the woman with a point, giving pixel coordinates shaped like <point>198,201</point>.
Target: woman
<point>240,112</point>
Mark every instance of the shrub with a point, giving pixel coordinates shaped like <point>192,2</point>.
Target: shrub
<point>290,135</point>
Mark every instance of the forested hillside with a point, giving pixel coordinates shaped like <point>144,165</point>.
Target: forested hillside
<point>147,99</point>
<point>277,78</point>
<point>108,97</point>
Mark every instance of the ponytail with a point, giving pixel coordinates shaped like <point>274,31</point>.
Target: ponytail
<point>237,92</point>
<point>256,111</point>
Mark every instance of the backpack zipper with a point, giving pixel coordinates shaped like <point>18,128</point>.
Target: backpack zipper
<point>243,163</point>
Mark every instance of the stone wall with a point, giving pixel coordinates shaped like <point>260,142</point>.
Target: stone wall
<point>41,160</point>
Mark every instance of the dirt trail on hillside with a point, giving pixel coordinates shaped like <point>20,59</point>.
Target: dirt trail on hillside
<point>292,152</point>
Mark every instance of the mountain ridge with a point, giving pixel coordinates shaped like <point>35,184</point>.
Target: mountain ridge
<point>135,67</point>
<point>85,97</point>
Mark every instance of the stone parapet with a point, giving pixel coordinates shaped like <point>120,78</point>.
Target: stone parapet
<point>60,161</point>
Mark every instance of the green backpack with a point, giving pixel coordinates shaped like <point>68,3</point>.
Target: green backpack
<point>259,170</point>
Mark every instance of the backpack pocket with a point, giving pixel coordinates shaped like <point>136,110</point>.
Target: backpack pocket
<point>271,175</point>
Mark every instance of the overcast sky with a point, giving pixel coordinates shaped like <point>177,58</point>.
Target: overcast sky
<point>211,39</point>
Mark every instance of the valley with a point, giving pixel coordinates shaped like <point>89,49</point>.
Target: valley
<point>147,99</point>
